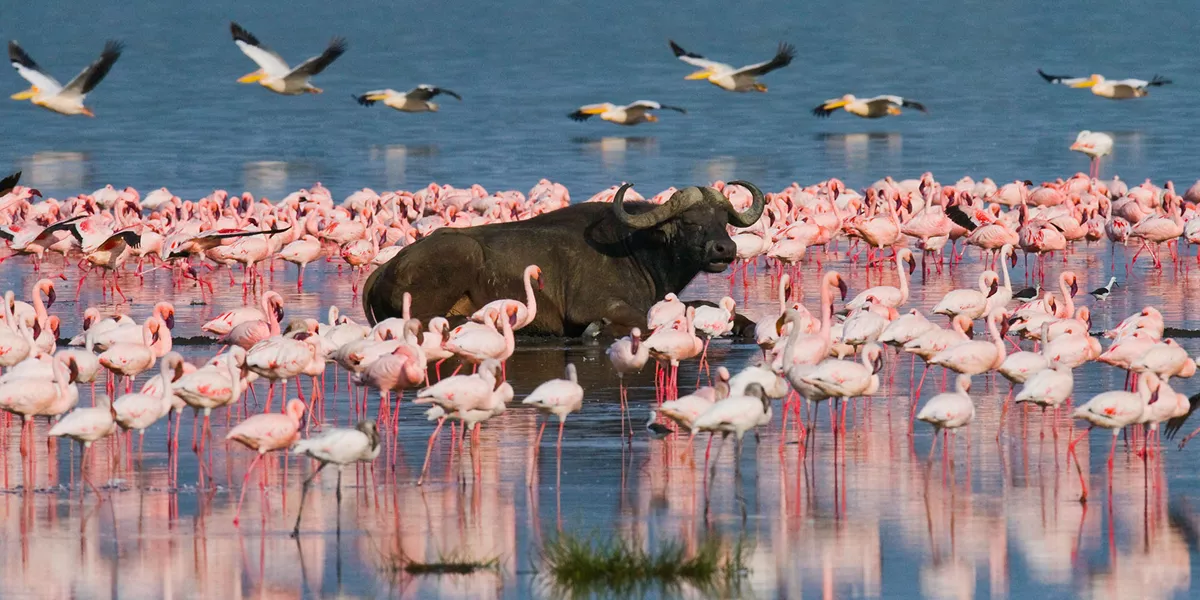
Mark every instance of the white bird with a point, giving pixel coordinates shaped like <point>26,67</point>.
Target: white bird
<point>559,397</point>
<point>413,101</point>
<point>728,78</point>
<point>1048,388</point>
<point>630,114</point>
<point>46,92</point>
<point>1094,144</point>
<point>949,410</point>
<point>338,447</point>
<point>736,415</point>
<point>1117,89</point>
<point>274,73</point>
<point>867,108</point>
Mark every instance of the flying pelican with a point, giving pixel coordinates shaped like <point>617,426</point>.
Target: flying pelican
<point>275,74</point>
<point>414,100</point>
<point>1121,89</point>
<point>48,93</point>
<point>630,114</point>
<point>728,78</point>
<point>867,108</point>
<point>1094,144</point>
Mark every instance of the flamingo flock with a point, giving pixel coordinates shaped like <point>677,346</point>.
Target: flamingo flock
<point>835,350</point>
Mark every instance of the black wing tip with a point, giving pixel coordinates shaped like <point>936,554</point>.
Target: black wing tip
<point>337,45</point>
<point>677,49</point>
<point>961,218</point>
<point>241,35</point>
<point>786,52</point>
<point>113,49</point>
<point>578,115</point>
<point>678,109</point>
<point>914,106</point>
<point>8,183</point>
<point>822,112</point>
<point>1159,80</point>
<point>363,100</point>
<point>1051,78</point>
<point>18,54</point>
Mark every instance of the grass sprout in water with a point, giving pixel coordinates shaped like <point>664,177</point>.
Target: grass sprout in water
<point>446,564</point>
<point>582,566</point>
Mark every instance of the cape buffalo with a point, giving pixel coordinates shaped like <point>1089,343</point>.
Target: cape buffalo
<point>601,262</point>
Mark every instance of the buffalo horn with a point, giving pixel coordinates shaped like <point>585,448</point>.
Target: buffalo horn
<point>679,202</point>
<point>752,214</point>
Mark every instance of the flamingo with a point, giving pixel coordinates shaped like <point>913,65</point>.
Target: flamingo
<point>974,357</point>
<point>136,412</point>
<point>87,426</point>
<point>665,312</point>
<point>339,447</point>
<point>250,332</point>
<point>33,395</point>
<point>558,397</point>
<point>265,433</point>
<point>457,394</point>
<point>525,312</point>
<point>211,387</point>
<point>685,410</point>
<point>476,345</point>
<point>627,355</point>
<point>280,358</point>
<point>671,345</point>
<point>736,415</point>
<point>972,303</point>
<point>301,252</point>
<point>1048,388</point>
<point>1110,410</point>
<point>886,295</point>
<point>132,359</point>
<point>949,410</point>
<point>271,303</point>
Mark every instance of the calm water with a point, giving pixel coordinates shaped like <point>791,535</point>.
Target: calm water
<point>170,112</point>
<point>868,517</point>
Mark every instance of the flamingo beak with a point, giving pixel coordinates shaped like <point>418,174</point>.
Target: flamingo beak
<point>50,296</point>
<point>843,288</point>
<point>541,283</point>
<point>877,364</point>
<point>634,343</point>
<point>971,330</point>
<point>1004,328</point>
<point>1153,397</point>
<point>1012,259</point>
<point>912,265</point>
<point>170,320</point>
<point>992,291</point>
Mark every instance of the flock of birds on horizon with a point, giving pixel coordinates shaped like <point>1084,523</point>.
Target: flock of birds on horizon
<point>276,75</point>
<point>807,355</point>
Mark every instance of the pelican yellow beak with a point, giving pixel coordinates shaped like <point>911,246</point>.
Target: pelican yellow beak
<point>1085,84</point>
<point>700,75</point>
<point>25,95</point>
<point>376,97</point>
<point>598,110</point>
<point>834,105</point>
<point>252,77</point>
<point>760,87</point>
<point>87,112</point>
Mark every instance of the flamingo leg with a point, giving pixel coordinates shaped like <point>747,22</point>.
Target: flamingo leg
<point>429,449</point>
<point>245,481</point>
<point>304,493</point>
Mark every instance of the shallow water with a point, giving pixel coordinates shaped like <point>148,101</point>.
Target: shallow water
<point>865,517</point>
<point>170,112</point>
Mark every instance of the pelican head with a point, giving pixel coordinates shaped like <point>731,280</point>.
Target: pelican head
<point>1091,81</point>
<point>255,77</point>
<point>25,95</point>
<point>701,74</point>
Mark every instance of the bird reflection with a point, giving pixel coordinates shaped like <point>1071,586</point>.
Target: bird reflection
<point>613,149</point>
<point>395,159</point>
<point>50,171</point>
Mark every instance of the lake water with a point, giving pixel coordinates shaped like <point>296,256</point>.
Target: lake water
<point>865,518</point>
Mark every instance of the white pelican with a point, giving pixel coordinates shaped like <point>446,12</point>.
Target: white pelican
<point>275,74</point>
<point>48,93</point>
<point>867,108</point>
<point>1094,144</point>
<point>414,100</point>
<point>1121,89</point>
<point>630,114</point>
<point>728,78</point>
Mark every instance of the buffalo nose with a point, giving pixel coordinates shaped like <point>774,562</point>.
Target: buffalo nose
<point>723,248</point>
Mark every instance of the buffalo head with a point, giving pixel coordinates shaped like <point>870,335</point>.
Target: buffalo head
<point>691,224</point>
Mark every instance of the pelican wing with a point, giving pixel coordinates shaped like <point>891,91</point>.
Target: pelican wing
<point>823,110</point>
<point>30,71</point>
<point>696,60</point>
<point>898,101</point>
<point>783,57</point>
<point>1061,79</point>
<point>268,60</point>
<point>425,91</point>
<point>8,183</point>
<point>91,76</point>
<point>652,105</point>
<point>1141,84</point>
<point>316,64</point>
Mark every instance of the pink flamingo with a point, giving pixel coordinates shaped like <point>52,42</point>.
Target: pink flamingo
<point>457,394</point>
<point>665,312</point>
<point>1111,410</point>
<point>210,387</point>
<point>87,426</point>
<point>887,295</point>
<point>339,447</point>
<point>132,359</point>
<point>137,412</point>
<point>301,252</point>
<point>526,312</point>
<point>479,344</point>
<point>558,397</point>
<point>280,358</point>
<point>975,357</point>
<point>248,333</point>
<point>265,433</point>
<point>671,346</point>
<point>627,355</point>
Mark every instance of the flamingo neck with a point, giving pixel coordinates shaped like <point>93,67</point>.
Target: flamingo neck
<point>530,299</point>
